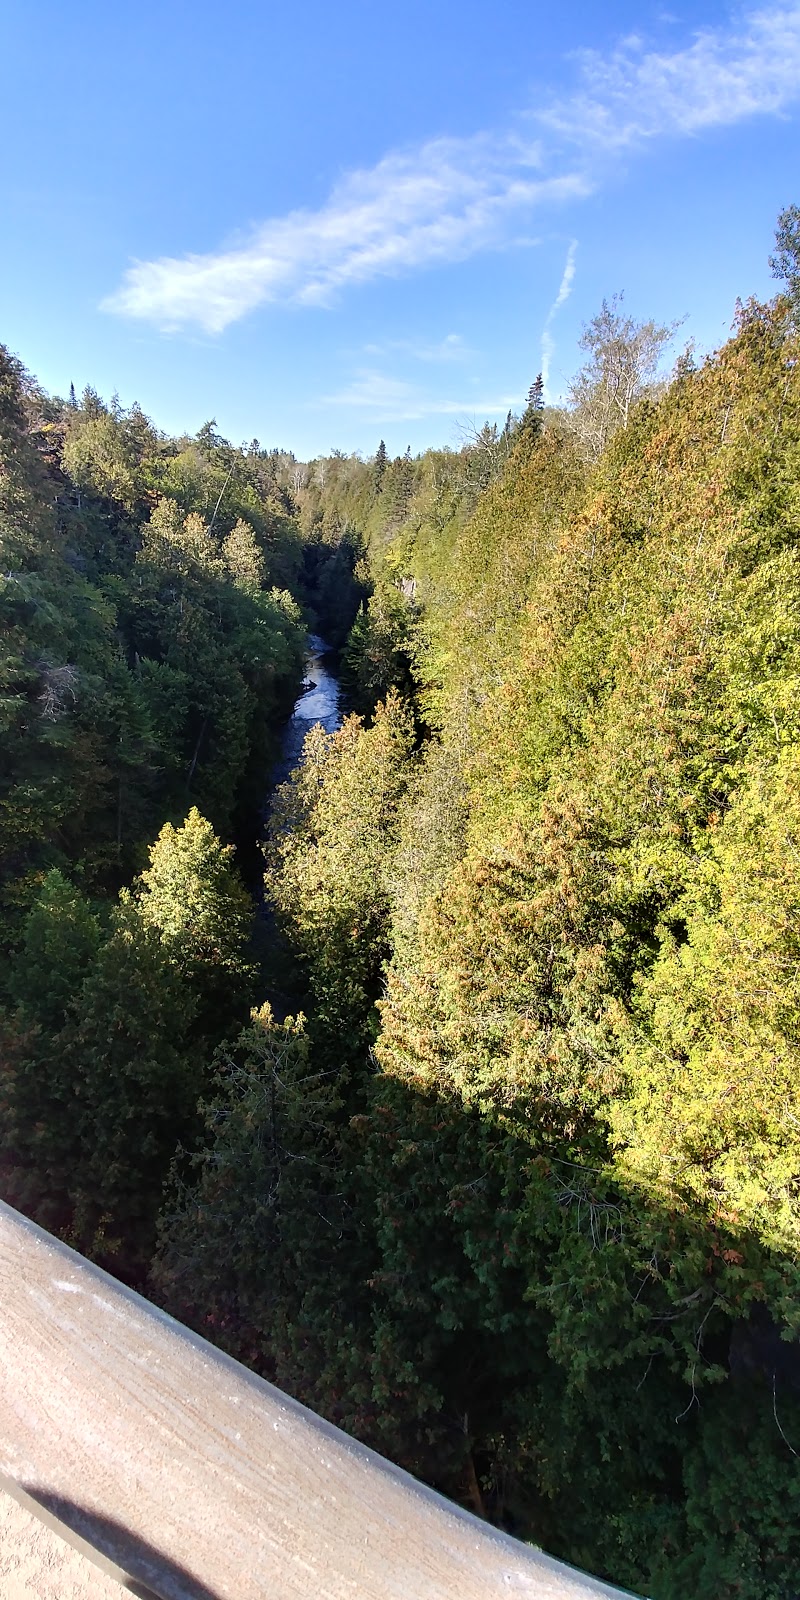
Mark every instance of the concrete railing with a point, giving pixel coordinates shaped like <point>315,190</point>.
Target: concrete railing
<point>190,1477</point>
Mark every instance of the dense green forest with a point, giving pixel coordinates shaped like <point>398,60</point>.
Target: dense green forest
<point>506,1179</point>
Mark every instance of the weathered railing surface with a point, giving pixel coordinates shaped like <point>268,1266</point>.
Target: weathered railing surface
<point>200,1480</point>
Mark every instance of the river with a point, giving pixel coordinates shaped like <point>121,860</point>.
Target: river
<point>317,704</point>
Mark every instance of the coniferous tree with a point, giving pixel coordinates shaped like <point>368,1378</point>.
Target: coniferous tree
<point>536,394</point>
<point>381,459</point>
<point>59,943</point>
<point>192,897</point>
<point>39,1139</point>
<point>250,1234</point>
<point>135,1084</point>
<point>331,834</point>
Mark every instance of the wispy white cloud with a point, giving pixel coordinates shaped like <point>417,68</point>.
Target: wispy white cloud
<point>448,198</point>
<point>722,77</point>
<point>440,202</point>
<point>452,348</point>
<point>564,292</point>
<point>387,399</point>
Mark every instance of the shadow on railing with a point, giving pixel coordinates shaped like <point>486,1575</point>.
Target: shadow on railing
<point>199,1481</point>
<point>140,1569</point>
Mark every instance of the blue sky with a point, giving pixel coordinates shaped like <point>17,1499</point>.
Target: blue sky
<point>324,225</point>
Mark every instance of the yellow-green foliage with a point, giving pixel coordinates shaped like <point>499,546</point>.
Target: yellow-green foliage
<point>712,1053</point>
<point>587,1087</point>
<point>332,832</point>
<point>626,653</point>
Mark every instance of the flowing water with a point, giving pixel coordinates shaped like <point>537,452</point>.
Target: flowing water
<point>319,703</point>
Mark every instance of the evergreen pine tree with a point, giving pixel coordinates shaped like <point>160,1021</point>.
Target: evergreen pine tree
<point>193,898</point>
<point>250,1234</point>
<point>381,459</point>
<point>134,1083</point>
